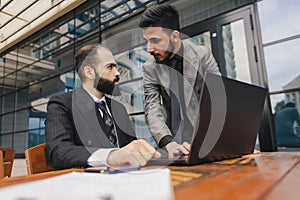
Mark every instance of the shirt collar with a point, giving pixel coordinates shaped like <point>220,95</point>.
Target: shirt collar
<point>97,99</point>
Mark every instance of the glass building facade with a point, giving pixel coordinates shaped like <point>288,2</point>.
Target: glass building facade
<point>238,32</point>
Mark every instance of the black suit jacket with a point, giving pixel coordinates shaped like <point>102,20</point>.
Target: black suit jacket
<point>74,128</point>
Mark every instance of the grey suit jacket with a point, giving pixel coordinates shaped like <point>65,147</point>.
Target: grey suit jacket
<point>74,129</point>
<point>156,81</point>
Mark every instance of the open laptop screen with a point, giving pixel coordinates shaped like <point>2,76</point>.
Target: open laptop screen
<point>229,118</point>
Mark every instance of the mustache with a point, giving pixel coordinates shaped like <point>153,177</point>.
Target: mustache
<point>116,79</point>
<point>154,54</point>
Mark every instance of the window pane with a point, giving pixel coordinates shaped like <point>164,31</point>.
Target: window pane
<point>132,96</point>
<point>87,21</point>
<point>235,51</point>
<point>6,123</point>
<point>36,137</point>
<point>22,99</point>
<point>8,103</point>
<point>37,116</point>
<point>141,129</point>
<point>6,141</point>
<point>20,144</point>
<point>130,67</point>
<point>21,122</point>
<point>282,61</point>
<point>279,19</point>
<point>286,110</point>
<point>203,39</point>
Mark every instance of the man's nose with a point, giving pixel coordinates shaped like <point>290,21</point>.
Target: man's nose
<point>150,48</point>
<point>117,73</point>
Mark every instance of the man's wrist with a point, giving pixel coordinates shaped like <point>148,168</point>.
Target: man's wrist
<point>99,157</point>
<point>165,140</point>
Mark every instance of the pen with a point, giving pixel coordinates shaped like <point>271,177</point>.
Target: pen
<point>112,171</point>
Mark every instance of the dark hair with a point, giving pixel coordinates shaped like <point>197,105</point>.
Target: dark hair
<point>87,56</point>
<point>290,105</point>
<point>162,15</point>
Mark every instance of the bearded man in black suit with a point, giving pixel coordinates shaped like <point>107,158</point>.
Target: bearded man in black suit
<point>85,127</point>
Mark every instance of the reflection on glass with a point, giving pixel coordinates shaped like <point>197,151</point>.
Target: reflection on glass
<point>287,124</point>
<point>21,120</point>
<point>38,115</point>
<point>281,16</point>
<point>22,99</point>
<point>36,137</point>
<point>277,101</point>
<point>6,140</point>
<point>8,101</point>
<point>68,80</point>
<point>282,62</point>
<point>286,109</point>
<point>130,68</point>
<point>141,129</point>
<point>86,22</point>
<point>52,54</point>
<point>7,123</point>
<point>112,11</point>
<point>203,39</point>
<point>9,79</point>
<point>19,142</point>
<point>132,96</point>
<point>235,51</point>
<point>55,39</point>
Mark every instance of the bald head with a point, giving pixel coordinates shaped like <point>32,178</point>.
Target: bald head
<point>89,55</point>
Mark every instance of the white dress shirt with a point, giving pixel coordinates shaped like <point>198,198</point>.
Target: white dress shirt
<point>99,157</point>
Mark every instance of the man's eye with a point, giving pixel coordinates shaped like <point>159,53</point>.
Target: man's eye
<point>110,66</point>
<point>155,40</point>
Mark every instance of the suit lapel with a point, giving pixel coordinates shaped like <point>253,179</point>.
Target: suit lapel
<point>191,70</point>
<point>100,119</point>
<point>163,73</point>
<point>86,120</point>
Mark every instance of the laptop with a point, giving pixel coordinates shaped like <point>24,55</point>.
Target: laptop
<point>229,117</point>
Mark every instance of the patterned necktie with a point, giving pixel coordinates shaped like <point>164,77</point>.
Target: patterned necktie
<point>109,124</point>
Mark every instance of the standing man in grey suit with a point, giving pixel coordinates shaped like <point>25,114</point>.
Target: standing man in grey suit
<point>172,79</point>
<point>85,127</point>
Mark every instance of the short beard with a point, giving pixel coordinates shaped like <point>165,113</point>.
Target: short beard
<point>107,86</point>
<point>169,54</point>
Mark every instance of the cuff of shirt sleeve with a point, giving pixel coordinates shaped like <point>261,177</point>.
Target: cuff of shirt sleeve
<point>165,140</point>
<point>99,157</point>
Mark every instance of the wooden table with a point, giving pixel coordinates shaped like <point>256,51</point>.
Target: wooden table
<point>267,176</point>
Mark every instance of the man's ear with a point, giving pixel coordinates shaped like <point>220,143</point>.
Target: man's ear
<point>175,36</point>
<point>89,72</point>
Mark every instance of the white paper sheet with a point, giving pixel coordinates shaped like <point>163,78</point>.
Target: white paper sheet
<point>143,184</point>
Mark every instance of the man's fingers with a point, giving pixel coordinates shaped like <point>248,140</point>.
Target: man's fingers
<point>156,154</point>
<point>126,156</point>
<point>183,149</point>
<point>145,149</point>
<point>187,146</point>
<point>133,161</point>
<point>141,151</point>
<point>174,148</point>
<point>137,153</point>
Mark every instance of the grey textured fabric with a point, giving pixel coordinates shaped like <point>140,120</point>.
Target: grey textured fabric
<point>197,60</point>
